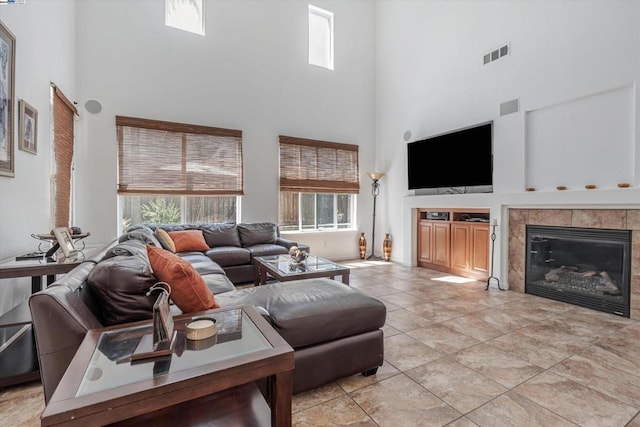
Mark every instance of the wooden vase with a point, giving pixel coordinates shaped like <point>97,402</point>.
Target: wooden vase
<point>386,247</point>
<point>363,246</point>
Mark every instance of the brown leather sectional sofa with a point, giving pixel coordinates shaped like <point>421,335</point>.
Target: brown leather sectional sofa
<point>233,246</point>
<point>334,329</point>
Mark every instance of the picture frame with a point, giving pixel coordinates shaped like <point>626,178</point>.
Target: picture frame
<point>65,241</point>
<point>28,131</point>
<point>7,91</point>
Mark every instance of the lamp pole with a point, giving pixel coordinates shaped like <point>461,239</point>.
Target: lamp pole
<point>375,190</point>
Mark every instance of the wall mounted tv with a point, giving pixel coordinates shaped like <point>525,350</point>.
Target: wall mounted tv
<point>462,158</point>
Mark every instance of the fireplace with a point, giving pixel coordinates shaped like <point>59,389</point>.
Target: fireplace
<point>589,267</point>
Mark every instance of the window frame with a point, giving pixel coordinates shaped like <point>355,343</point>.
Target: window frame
<point>200,32</point>
<point>317,167</point>
<point>329,16</point>
<point>183,202</point>
<point>63,113</point>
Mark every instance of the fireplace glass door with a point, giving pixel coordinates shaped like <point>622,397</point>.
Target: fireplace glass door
<point>583,266</point>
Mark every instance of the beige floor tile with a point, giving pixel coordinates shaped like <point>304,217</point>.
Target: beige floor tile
<point>435,292</point>
<point>598,317</point>
<point>443,338</point>
<point>467,306</point>
<point>22,405</point>
<point>553,336</point>
<point>390,331</point>
<point>402,299</point>
<point>575,402</point>
<point>503,321</point>
<point>529,312</point>
<point>404,320</point>
<point>435,312</point>
<point>462,422</point>
<point>513,410</point>
<point>443,323</point>
<point>311,398</point>
<point>625,358</point>
<point>462,388</point>
<point>399,401</point>
<point>529,349</point>
<point>378,290</point>
<point>404,352</point>
<point>473,327</point>
<point>355,382</point>
<point>497,365</point>
<point>341,411</point>
<point>610,381</point>
<point>634,422</point>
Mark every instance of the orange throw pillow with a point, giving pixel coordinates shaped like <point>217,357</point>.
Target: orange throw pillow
<point>189,240</point>
<point>188,289</point>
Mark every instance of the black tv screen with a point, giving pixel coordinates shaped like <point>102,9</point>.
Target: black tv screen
<point>461,158</point>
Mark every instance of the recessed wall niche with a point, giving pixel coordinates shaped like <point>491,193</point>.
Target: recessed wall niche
<point>589,140</point>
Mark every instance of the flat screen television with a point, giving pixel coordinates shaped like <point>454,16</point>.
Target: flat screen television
<point>462,158</point>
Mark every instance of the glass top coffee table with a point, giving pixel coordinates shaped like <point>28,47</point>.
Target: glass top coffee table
<point>102,385</point>
<point>279,267</point>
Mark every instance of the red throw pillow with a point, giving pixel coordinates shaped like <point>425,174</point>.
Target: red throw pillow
<point>189,240</point>
<point>188,289</point>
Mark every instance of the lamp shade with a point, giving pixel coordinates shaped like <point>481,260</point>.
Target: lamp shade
<point>375,175</point>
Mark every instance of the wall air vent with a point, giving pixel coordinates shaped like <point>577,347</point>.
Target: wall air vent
<point>496,54</point>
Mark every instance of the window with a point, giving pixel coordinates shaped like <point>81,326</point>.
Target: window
<point>320,37</point>
<point>177,173</point>
<point>318,184</point>
<point>187,15</point>
<point>63,112</point>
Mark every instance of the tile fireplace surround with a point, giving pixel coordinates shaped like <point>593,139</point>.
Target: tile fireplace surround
<point>618,219</point>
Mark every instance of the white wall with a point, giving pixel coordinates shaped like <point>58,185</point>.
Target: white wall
<point>249,72</point>
<point>430,79</point>
<point>45,53</point>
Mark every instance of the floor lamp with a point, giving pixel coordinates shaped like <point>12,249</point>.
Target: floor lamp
<point>375,190</point>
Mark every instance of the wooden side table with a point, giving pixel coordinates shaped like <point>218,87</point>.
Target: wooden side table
<point>102,386</point>
<point>18,357</point>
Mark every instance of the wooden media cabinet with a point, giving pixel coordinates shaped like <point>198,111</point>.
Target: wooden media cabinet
<point>454,241</point>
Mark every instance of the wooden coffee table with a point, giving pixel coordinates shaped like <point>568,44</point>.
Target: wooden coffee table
<point>279,267</point>
<point>208,381</point>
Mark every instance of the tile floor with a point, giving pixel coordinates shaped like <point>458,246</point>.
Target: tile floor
<point>457,355</point>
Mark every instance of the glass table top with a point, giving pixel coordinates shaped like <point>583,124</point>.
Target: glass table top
<point>282,264</point>
<point>110,365</point>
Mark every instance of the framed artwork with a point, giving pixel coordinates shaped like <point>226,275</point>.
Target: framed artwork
<point>28,123</point>
<point>64,240</point>
<point>7,87</point>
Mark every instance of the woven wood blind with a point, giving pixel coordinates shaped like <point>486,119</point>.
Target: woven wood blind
<point>156,157</point>
<point>63,111</point>
<point>312,166</point>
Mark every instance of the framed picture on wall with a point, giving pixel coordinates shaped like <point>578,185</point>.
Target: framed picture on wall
<point>28,123</point>
<point>7,87</point>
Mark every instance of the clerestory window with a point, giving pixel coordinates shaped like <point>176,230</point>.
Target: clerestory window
<point>187,15</point>
<point>320,37</point>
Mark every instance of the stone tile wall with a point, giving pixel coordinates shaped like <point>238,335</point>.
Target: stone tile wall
<point>619,219</point>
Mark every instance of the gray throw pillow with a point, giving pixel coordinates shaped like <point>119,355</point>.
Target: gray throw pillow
<point>257,233</point>
<point>143,234</point>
